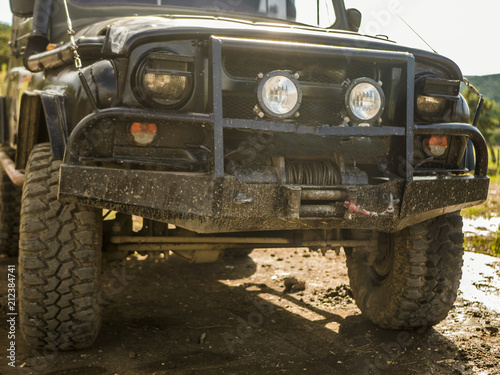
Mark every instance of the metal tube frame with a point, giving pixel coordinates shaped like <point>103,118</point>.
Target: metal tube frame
<point>220,123</point>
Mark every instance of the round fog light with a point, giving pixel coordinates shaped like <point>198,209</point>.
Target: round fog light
<point>279,94</point>
<point>364,100</point>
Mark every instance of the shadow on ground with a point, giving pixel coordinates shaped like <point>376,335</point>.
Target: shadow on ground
<point>232,317</point>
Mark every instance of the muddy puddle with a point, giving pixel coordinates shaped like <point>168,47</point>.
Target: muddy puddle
<point>481,226</point>
<point>481,280</point>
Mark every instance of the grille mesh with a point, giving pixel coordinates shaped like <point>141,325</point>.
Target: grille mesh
<point>320,70</point>
<point>325,71</point>
<point>311,111</point>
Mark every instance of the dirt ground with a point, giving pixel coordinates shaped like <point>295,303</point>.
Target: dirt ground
<point>254,315</point>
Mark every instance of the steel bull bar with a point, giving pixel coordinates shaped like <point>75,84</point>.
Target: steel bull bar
<point>207,202</point>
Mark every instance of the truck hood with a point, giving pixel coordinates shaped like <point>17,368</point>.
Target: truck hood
<point>125,33</point>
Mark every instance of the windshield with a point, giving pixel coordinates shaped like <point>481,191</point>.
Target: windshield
<point>310,12</point>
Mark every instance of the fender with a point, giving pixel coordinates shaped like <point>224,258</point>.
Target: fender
<point>41,108</point>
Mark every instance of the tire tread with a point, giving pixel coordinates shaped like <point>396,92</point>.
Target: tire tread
<point>52,256</point>
<point>430,267</point>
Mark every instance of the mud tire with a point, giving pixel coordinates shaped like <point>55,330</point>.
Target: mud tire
<point>10,211</point>
<point>59,262</point>
<point>420,286</point>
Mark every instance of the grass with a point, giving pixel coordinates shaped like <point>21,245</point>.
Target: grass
<point>489,244</point>
<point>494,168</point>
<point>492,205</point>
<point>495,246</point>
<point>486,209</point>
<point>494,177</point>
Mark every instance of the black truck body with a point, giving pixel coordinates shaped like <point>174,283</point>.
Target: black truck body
<point>168,118</point>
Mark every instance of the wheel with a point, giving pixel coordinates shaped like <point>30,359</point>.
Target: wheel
<point>413,278</point>
<point>10,210</point>
<point>59,261</point>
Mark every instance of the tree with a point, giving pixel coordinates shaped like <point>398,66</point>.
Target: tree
<point>489,119</point>
<point>4,44</point>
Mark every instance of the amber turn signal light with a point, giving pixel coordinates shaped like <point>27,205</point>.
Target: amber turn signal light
<point>435,145</point>
<point>143,133</point>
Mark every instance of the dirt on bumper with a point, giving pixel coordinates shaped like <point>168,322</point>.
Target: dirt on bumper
<point>200,202</point>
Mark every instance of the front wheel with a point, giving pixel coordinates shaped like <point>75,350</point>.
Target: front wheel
<point>59,262</point>
<point>413,278</point>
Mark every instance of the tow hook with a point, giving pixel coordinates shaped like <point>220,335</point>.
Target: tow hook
<point>390,209</point>
<point>242,198</point>
<point>352,209</point>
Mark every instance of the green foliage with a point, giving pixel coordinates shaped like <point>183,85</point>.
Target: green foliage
<point>496,136</point>
<point>489,119</point>
<point>492,205</point>
<point>495,246</point>
<point>3,72</point>
<point>484,245</point>
<point>4,44</point>
<point>488,85</point>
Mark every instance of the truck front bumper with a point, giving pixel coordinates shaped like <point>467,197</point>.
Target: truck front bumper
<point>216,202</point>
<point>207,204</point>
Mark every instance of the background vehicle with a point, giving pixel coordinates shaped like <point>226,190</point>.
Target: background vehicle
<point>229,127</point>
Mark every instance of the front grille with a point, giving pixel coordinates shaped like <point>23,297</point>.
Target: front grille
<point>312,70</point>
<point>314,112</point>
<point>316,73</point>
<point>323,75</point>
<point>320,112</point>
<point>239,106</point>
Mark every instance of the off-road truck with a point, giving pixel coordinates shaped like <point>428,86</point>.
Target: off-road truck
<point>224,126</point>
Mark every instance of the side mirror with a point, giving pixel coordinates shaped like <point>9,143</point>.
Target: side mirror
<point>354,18</point>
<point>22,8</point>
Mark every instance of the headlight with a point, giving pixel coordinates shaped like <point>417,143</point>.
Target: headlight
<point>364,100</point>
<point>435,97</point>
<point>430,108</point>
<point>164,79</point>
<point>166,86</point>
<point>279,94</point>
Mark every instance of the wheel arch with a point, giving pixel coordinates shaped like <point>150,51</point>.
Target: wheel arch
<point>42,118</point>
